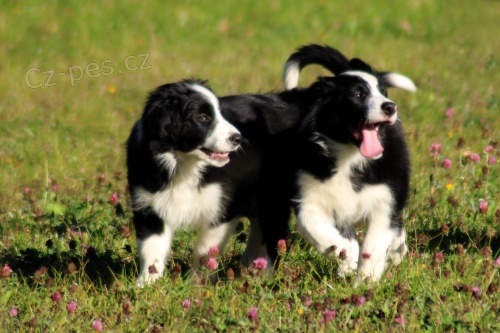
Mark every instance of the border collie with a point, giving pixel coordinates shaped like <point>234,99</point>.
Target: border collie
<point>179,175</point>
<point>179,172</point>
<point>181,133</point>
<point>352,162</point>
<point>337,148</point>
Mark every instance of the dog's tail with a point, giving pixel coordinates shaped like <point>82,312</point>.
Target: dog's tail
<point>315,54</point>
<point>336,63</point>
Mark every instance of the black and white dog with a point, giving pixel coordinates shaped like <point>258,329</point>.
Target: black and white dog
<point>180,134</point>
<point>352,162</point>
<point>331,143</point>
<point>179,172</point>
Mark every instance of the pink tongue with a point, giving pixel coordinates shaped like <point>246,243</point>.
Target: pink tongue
<point>218,155</point>
<point>370,146</point>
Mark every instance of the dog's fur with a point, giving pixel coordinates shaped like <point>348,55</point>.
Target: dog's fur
<point>180,134</point>
<point>352,163</point>
<point>297,141</point>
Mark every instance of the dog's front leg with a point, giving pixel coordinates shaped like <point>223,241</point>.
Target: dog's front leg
<point>379,237</point>
<point>153,252</point>
<point>318,228</point>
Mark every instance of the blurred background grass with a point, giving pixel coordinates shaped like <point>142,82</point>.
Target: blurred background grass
<point>65,142</point>
<point>67,131</point>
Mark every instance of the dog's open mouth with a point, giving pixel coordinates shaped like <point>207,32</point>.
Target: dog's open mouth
<point>367,136</point>
<point>215,155</point>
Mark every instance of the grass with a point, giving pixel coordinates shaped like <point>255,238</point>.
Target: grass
<point>61,152</point>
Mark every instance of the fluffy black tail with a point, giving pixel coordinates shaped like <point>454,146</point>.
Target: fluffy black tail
<point>325,56</point>
<point>336,63</point>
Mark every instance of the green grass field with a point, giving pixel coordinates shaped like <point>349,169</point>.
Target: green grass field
<point>74,79</point>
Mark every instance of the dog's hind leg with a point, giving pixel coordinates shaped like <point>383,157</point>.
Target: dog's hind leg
<point>212,236</point>
<point>256,247</point>
<point>398,247</point>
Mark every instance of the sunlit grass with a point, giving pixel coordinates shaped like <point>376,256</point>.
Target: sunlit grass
<point>62,230</point>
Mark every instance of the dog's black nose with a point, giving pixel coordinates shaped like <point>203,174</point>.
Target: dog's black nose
<point>389,108</point>
<point>235,139</point>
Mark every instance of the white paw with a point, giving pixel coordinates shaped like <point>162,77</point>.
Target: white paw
<point>150,273</point>
<point>398,249</point>
<point>370,269</point>
<point>348,258</point>
<point>146,279</point>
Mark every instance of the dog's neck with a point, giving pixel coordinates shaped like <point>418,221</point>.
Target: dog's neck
<point>181,167</point>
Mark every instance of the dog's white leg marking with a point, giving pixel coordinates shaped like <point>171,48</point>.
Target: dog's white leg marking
<point>379,235</point>
<point>210,236</point>
<point>350,264</point>
<point>398,248</point>
<point>153,252</point>
<point>318,229</point>
<point>377,242</point>
<point>255,246</point>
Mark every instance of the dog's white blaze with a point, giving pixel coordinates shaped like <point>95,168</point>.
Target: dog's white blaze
<point>218,140</point>
<point>209,96</point>
<point>291,74</point>
<point>333,202</point>
<point>376,99</point>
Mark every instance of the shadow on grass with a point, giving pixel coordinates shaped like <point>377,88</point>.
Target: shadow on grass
<point>101,269</point>
<point>446,240</point>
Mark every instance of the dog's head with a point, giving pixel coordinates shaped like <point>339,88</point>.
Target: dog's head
<point>351,107</point>
<point>185,117</point>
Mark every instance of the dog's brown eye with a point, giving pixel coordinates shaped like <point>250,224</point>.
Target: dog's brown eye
<point>204,118</point>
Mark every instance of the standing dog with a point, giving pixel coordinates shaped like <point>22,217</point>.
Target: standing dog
<point>352,163</point>
<point>180,134</point>
<point>299,141</point>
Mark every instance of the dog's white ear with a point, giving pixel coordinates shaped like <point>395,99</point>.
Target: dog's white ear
<point>399,81</point>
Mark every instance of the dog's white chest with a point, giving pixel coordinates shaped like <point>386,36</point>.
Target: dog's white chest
<point>337,197</point>
<point>183,203</point>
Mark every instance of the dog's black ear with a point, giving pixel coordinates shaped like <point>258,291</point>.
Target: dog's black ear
<point>168,95</point>
<point>162,114</point>
<point>360,65</point>
<point>323,90</point>
<point>390,79</point>
<point>324,84</point>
